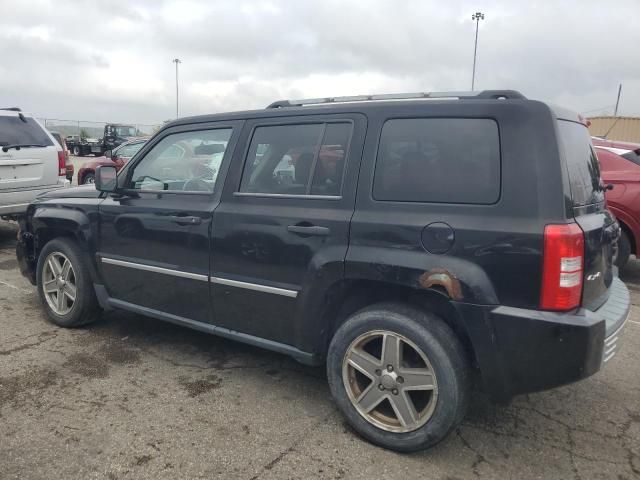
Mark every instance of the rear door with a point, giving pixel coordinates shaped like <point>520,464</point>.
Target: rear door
<point>282,226</point>
<point>589,210</point>
<point>29,167</point>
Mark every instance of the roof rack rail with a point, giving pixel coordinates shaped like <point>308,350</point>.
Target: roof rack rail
<point>483,95</point>
<point>11,109</point>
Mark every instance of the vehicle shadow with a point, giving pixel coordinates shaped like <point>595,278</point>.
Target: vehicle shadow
<point>8,231</point>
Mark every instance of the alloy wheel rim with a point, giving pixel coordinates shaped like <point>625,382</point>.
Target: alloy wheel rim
<point>59,283</point>
<point>390,381</point>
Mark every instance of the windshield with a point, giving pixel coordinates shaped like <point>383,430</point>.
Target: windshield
<point>125,131</point>
<point>128,149</point>
<point>633,155</point>
<point>582,164</point>
<point>14,131</point>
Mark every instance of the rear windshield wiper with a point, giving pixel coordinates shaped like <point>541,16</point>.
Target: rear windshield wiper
<point>18,146</point>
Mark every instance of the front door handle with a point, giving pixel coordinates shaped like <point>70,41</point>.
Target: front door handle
<point>188,220</point>
<point>308,230</point>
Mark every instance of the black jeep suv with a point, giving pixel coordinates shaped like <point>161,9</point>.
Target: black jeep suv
<point>408,241</point>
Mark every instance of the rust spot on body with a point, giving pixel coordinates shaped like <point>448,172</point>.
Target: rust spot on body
<point>439,277</point>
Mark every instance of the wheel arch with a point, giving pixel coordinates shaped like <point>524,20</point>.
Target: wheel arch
<point>346,297</point>
<point>629,225</point>
<point>48,223</point>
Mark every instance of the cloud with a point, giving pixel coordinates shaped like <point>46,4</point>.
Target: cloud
<point>112,60</point>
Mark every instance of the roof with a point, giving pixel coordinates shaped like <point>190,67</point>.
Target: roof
<point>365,103</point>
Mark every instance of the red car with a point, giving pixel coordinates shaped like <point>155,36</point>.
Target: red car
<point>620,167</point>
<point>118,157</point>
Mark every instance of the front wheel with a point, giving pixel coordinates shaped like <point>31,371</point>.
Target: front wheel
<point>399,375</point>
<point>76,151</point>
<point>89,178</point>
<point>64,284</point>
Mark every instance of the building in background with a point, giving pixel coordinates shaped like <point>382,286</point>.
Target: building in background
<point>626,129</point>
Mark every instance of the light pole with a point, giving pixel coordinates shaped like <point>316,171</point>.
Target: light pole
<point>477,17</point>
<point>176,61</point>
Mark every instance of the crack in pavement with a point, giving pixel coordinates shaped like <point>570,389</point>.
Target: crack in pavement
<point>300,439</point>
<point>47,336</point>
<point>480,459</point>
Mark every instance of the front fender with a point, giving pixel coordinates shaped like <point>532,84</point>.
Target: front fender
<point>47,221</point>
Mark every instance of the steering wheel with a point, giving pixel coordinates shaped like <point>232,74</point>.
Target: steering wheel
<point>197,184</point>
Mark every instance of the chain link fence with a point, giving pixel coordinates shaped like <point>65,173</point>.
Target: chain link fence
<point>91,129</point>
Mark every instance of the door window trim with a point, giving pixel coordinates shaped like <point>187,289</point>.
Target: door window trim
<point>306,121</point>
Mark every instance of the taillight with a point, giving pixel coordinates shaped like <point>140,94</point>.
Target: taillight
<point>62,164</point>
<point>563,264</point>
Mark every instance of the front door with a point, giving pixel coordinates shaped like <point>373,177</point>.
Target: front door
<point>153,247</point>
<point>282,226</point>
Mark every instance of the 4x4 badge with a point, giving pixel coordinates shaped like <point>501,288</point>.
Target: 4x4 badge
<point>593,276</point>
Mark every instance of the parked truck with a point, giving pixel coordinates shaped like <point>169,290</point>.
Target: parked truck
<point>114,135</point>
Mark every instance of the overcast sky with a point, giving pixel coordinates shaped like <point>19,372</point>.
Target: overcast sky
<point>111,60</point>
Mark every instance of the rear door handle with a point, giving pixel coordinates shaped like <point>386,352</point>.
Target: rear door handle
<point>308,230</point>
<point>188,220</point>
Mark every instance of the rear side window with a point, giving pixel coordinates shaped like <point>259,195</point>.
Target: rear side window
<point>14,131</point>
<point>304,159</point>
<point>582,163</point>
<point>440,160</point>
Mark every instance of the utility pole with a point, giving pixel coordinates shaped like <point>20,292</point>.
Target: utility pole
<point>615,113</point>
<point>176,61</point>
<point>477,17</point>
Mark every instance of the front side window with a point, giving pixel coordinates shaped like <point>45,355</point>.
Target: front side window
<point>440,160</point>
<point>297,159</point>
<point>188,161</point>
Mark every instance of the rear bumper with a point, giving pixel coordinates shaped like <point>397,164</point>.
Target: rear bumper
<point>15,202</point>
<point>522,351</point>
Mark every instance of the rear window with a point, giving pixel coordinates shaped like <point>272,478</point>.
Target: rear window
<point>13,131</point>
<point>438,160</point>
<point>582,164</point>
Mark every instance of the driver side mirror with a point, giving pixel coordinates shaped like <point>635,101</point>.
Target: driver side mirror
<point>106,178</point>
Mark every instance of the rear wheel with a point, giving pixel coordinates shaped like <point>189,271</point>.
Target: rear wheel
<point>624,250</point>
<point>64,284</point>
<point>399,375</point>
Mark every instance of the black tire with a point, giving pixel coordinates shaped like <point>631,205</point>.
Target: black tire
<point>445,353</point>
<point>89,179</point>
<point>85,308</point>
<point>624,250</point>
<point>76,151</point>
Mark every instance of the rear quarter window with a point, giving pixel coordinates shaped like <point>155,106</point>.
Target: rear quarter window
<point>438,160</point>
<point>14,131</point>
<point>582,163</point>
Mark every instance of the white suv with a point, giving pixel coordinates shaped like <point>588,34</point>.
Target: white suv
<point>31,162</point>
